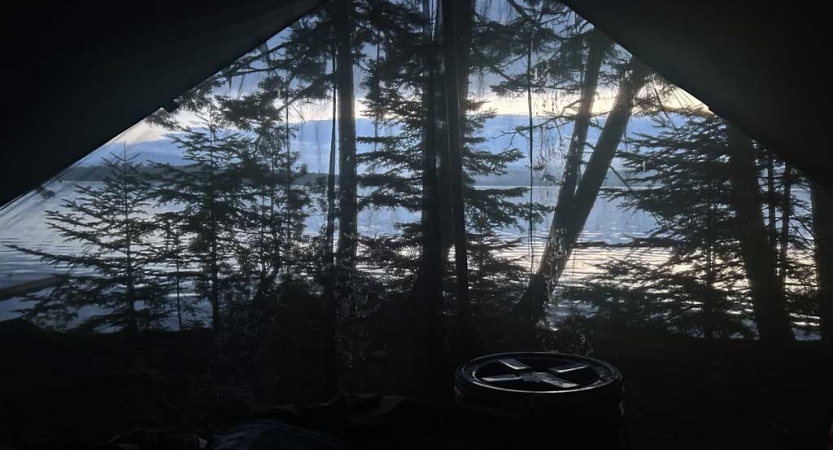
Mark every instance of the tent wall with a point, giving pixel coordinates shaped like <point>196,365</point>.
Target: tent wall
<point>80,73</point>
<point>757,66</point>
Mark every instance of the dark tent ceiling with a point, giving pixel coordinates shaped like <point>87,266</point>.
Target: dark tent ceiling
<point>77,74</point>
<point>758,66</point>
<point>82,72</point>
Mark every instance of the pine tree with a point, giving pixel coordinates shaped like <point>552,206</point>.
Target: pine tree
<point>696,289</point>
<point>759,258</point>
<point>115,276</point>
<point>397,84</point>
<point>406,82</point>
<point>427,292</point>
<point>208,189</point>
<point>328,266</point>
<point>789,222</point>
<point>271,239</point>
<point>344,13</point>
<point>688,173</point>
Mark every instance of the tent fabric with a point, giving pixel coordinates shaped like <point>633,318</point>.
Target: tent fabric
<point>87,72</point>
<point>385,189</point>
<point>779,42</point>
<point>752,65</point>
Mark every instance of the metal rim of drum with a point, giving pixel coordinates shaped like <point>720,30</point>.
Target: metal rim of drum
<point>555,377</point>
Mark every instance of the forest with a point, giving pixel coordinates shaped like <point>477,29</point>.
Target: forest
<point>221,241</point>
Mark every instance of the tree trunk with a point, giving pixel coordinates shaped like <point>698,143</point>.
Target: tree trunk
<point>599,44</point>
<point>347,178</point>
<point>786,213</point>
<point>172,251</point>
<point>427,297</point>
<point>178,295</point>
<point>128,235</point>
<point>214,266</point>
<point>709,307</point>
<point>465,341</point>
<point>330,374</point>
<point>464,13</point>
<point>569,219</point>
<point>822,198</point>
<point>463,10</point>
<point>287,251</point>
<point>215,290</point>
<point>759,258</point>
<point>530,149</point>
<point>770,197</point>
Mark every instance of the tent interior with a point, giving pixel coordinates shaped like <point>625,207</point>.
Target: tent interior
<point>213,209</point>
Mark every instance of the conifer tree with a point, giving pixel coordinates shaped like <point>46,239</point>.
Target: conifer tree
<point>344,18</point>
<point>689,184</point>
<point>759,259</point>
<point>208,189</point>
<point>396,84</point>
<point>686,189</point>
<point>113,283</point>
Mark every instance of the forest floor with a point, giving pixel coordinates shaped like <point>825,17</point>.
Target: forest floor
<point>78,391</point>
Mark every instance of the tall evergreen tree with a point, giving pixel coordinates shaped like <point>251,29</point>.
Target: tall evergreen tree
<point>344,13</point>
<point>271,234</point>
<point>788,213</point>
<point>208,190</point>
<point>689,183</point>
<point>328,269</point>
<point>427,293</point>
<point>115,276</point>
<point>759,258</point>
<point>397,173</point>
<point>684,175</point>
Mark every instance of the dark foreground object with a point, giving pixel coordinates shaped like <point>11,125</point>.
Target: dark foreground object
<point>525,398</point>
<point>391,422</point>
<point>503,401</point>
<point>265,434</point>
<point>168,390</point>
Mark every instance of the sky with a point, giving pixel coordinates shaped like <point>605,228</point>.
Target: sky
<point>144,132</point>
<point>151,138</point>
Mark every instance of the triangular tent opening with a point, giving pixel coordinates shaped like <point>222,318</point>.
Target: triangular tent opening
<point>325,200</point>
